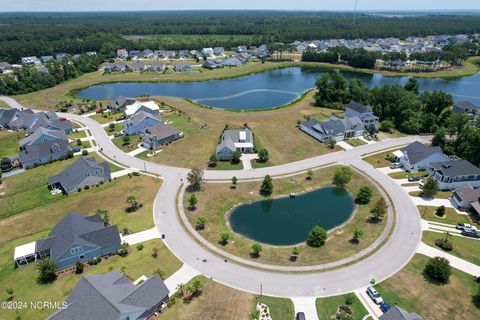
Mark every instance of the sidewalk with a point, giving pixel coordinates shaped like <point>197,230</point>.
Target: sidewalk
<point>372,308</point>
<point>137,151</point>
<point>183,275</point>
<point>307,306</point>
<point>455,262</point>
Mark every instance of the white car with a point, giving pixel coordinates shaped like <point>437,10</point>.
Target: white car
<point>466,227</point>
<point>374,295</point>
<point>395,165</point>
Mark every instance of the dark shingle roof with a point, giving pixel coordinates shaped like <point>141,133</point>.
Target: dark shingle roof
<point>397,313</point>
<point>40,132</point>
<point>36,151</point>
<point>466,105</point>
<point>161,131</point>
<point>358,107</point>
<point>456,168</point>
<point>417,151</point>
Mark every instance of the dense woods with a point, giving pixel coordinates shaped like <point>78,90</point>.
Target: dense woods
<point>27,34</point>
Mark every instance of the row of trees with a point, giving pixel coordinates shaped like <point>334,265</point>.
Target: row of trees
<point>358,58</point>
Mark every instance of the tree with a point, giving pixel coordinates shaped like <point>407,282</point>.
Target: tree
<point>317,237</point>
<point>266,188</point>
<point>192,201</point>
<point>256,249</point>
<point>439,139</point>
<point>105,215</point>
<point>46,271</point>
<point>196,286</point>
<point>365,194</point>
<point>387,125</point>
<point>5,164</point>
<point>357,234</point>
<point>412,85</point>
<point>160,273</point>
<point>342,177</point>
<point>195,179</point>
<point>438,268</point>
<point>263,155</point>
<point>201,222</point>
<point>430,188</point>
<point>111,126</point>
<point>309,174</point>
<point>379,209</point>
<point>78,267</point>
<point>213,160</point>
<point>234,180</point>
<point>236,157</point>
<point>133,204</point>
<point>126,139</point>
<point>445,242</point>
<point>441,211</point>
<point>332,143</point>
<point>295,253</point>
<point>224,237</point>
<point>181,289</point>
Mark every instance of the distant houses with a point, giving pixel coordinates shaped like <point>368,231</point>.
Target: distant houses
<point>75,238</point>
<point>182,67</point>
<point>334,128</point>
<point>159,134</point>
<point>212,64</point>
<point>365,113</point>
<point>468,108</point>
<point>114,296</point>
<point>234,140</point>
<point>80,174</point>
<point>232,62</point>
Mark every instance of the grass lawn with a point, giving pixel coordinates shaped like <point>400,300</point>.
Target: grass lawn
<point>404,174</point>
<point>258,165</point>
<point>217,301</point>
<point>327,307</point>
<point>380,160</point>
<point>467,249</point>
<point>227,165</point>
<point>29,208</point>
<point>414,291</point>
<point>84,145</point>
<point>4,105</point>
<point>451,216</point>
<point>22,280</point>
<point>217,198</point>
<point>439,195</point>
<point>127,147</point>
<point>355,142</point>
<point>117,128</point>
<point>104,117</point>
<point>77,135</point>
<point>9,142</point>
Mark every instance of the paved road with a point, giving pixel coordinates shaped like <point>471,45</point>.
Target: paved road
<point>384,263</point>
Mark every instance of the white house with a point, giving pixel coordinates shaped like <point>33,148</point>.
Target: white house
<point>147,106</point>
<point>418,156</point>
<point>467,197</point>
<point>454,174</point>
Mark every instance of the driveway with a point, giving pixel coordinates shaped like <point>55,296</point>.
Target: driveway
<point>247,159</point>
<point>307,306</point>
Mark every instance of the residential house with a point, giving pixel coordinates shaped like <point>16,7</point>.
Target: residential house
<point>333,128</point>
<point>232,140</point>
<point>137,67</point>
<point>207,52</point>
<point>232,62</point>
<point>113,296</point>
<point>365,113</point>
<point>182,67</point>
<point>149,107</point>
<point>54,124</point>
<point>454,174</point>
<point>76,56</point>
<point>75,238</point>
<point>8,115</point>
<point>467,107</point>
<point>115,67</point>
<point>182,54</point>
<point>159,134</point>
<point>241,49</point>
<point>60,56</point>
<point>134,54</point>
<point>147,54</point>
<point>42,135</point>
<point>158,67</point>
<point>467,197</point>
<point>417,156</point>
<point>44,152</point>
<point>5,67</point>
<point>168,54</point>
<point>212,64</point>
<point>91,53</point>
<point>219,51</point>
<point>139,122</point>
<point>157,54</point>
<point>120,103</point>
<point>261,52</point>
<point>397,313</point>
<point>31,60</point>
<point>195,54</point>
<point>83,172</point>
<point>22,120</point>
<point>243,57</point>
<point>122,54</point>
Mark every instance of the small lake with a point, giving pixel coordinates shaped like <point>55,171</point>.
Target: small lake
<point>268,89</point>
<point>287,221</point>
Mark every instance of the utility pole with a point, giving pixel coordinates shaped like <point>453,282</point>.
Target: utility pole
<point>355,11</point>
<point>144,167</point>
<point>261,290</point>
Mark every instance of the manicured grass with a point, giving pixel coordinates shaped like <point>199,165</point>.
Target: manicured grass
<point>22,280</point>
<point>464,248</point>
<point>4,105</point>
<point>280,308</point>
<point>227,165</point>
<point>258,165</point>
<point>356,142</point>
<point>28,209</point>
<point>132,145</point>
<point>9,142</point>
<point>104,117</point>
<point>451,216</point>
<point>380,160</point>
<point>404,174</point>
<point>117,128</point>
<point>217,198</point>
<point>327,307</point>
<point>411,184</point>
<point>84,145</point>
<point>77,135</point>
<point>439,195</point>
<point>414,291</point>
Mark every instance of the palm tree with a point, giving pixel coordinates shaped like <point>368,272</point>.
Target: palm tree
<point>181,289</point>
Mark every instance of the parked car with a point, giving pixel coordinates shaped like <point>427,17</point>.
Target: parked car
<point>466,227</point>
<point>374,295</point>
<point>414,178</point>
<point>75,150</point>
<point>395,165</point>
<point>121,118</point>
<point>384,307</point>
<point>368,138</point>
<point>118,134</point>
<point>470,233</point>
<point>301,316</point>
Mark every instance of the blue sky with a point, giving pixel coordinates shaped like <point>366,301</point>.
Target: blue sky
<point>117,5</point>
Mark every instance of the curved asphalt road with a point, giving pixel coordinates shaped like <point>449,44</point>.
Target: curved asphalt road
<point>389,259</point>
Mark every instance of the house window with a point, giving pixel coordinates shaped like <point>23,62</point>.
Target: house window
<point>76,250</point>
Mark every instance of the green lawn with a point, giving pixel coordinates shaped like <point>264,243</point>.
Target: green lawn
<point>117,128</point>
<point>355,142</point>
<point>439,195</point>
<point>280,308</point>
<point>127,147</point>
<point>451,216</point>
<point>258,165</point>
<point>327,307</point>
<point>22,280</point>
<point>9,142</point>
<point>83,145</point>
<point>380,160</point>
<point>104,118</point>
<point>77,135</point>
<point>404,174</point>
<point>414,291</point>
<point>180,121</point>
<point>467,249</point>
<point>227,165</point>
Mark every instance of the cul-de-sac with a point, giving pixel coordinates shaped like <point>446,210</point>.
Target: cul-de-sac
<point>250,161</point>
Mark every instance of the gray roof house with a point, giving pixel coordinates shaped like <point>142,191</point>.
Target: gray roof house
<point>454,174</point>
<point>243,57</point>
<point>232,62</point>
<point>7,116</point>
<point>418,156</point>
<point>83,172</point>
<point>78,238</point>
<point>5,66</point>
<point>232,140</point>
<point>365,113</point>
<point>113,296</point>
<point>140,121</point>
<point>44,152</point>
<point>467,197</point>
<point>219,51</point>
<point>182,67</point>
<point>397,313</point>
<point>42,135</point>
<point>120,103</point>
<point>159,134</point>
<point>137,67</point>
<point>466,107</point>
<point>23,120</point>
<point>212,64</point>
<point>115,67</point>
<point>122,54</point>
<point>157,66</point>
<point>333,128</point>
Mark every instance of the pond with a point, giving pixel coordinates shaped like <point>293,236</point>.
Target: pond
<point>268,89</point>
<point>287,221</point>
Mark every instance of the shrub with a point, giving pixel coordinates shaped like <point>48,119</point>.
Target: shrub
<point>256,249</point>
<point>140,247</point>
<point>155,251</point>
<point>46,271</point>
<point>349,300</point>
<point>444,244</point>
<point>267,186</point>
<point>192,201</point>
<point>87,187</point>
<point>123,251</point>
<point>78,267</point>
<point>317,237</point>
<point>441,211</point>
<point>201,222</point>
<point>224,237</point>
<point>378,211</point>
<point>438,268</point>
<point>342,177</point>
<point>84,152</point>
<point>365,194</point>
<point>236,157</point>
<point>263,155</point>
<point>195,179</point>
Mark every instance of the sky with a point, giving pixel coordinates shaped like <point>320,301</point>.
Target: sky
<point>129,5</point>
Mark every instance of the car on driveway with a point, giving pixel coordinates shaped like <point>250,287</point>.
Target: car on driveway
<point>466,227</point>
<point>470,233</point>
<point>414,178</point>
<point>384,307</point>
<point>300,316</point>
<point>373,293</point>
<point>118,134</point>
<point>395,165</point>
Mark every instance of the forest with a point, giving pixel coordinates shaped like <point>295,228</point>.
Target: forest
<point>28,34</point>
